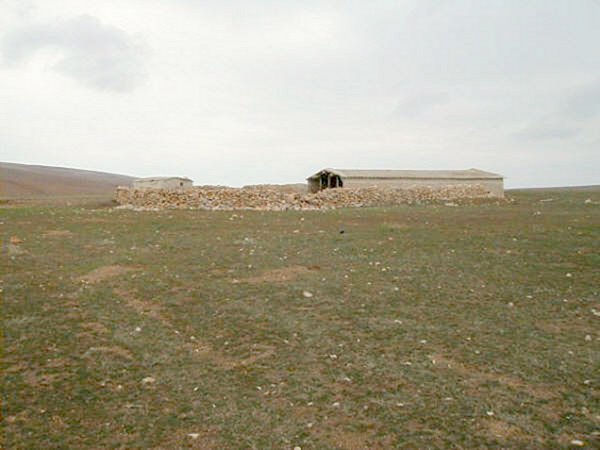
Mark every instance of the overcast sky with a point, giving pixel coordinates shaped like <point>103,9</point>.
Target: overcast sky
<point>270,91</point>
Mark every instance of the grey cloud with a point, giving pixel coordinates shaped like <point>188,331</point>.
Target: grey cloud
<point>584,104</point>
<point>569,118</point>
<point>547,131</point>
<point>100,56</point>
<point>417,104</point>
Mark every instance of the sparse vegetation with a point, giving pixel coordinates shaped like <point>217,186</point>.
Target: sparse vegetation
<point>472,326</point>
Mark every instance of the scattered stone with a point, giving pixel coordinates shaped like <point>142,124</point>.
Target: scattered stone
<point>307,294</point>
<point>15,250</point>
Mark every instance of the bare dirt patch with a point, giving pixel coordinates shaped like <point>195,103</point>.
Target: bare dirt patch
<point>15,250</point>
<point>106,272</point>
<point>32,378</point>
<point>15,368</point>
<point>502,430</point>
<point>478,377</point>
<point>57,233</point>
<point>398,226</point>
<point>57,363</point>
<point>196,347</point>
<point>206,351</point>
<point>252,359</point>
<point>143,307</point>
<point>350,441</point>
<point>282,275</point>
<point>191,438</point>
<point>110,351</point>
<point>339,436</point>
<point>95,327</point>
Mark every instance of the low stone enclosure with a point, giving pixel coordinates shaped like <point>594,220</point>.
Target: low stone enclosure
<point>272,199</point>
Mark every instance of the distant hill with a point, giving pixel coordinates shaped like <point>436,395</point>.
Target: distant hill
<point>24,181</point>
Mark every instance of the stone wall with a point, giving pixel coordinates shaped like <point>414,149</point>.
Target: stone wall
<point>494,187</point>
<point>272,199</point>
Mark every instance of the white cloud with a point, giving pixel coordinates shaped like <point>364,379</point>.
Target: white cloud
<point>100,56</point>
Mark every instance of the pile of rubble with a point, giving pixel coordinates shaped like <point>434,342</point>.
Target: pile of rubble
<point>272,199</point>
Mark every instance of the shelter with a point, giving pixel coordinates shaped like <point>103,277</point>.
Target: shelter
<point>163,183</point>
<point>405,179</point>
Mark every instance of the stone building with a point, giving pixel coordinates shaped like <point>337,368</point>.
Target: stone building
<point>404,179</point>
<point>163,183</point>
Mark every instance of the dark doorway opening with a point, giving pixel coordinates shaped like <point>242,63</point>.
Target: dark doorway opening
<point>330,181</point>
<point>335,181</point>
<point>324,181</point>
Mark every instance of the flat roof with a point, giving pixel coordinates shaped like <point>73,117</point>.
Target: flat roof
<point>468,174</point>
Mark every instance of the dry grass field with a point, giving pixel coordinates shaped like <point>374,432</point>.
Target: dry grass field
<point>431,326</point>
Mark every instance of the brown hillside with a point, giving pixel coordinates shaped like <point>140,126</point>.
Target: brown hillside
<point>27,181</point>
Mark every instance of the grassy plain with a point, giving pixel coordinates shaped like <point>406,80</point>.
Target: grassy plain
<point>428,326</point>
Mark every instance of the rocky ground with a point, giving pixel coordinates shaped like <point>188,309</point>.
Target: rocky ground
<point>459,324</point>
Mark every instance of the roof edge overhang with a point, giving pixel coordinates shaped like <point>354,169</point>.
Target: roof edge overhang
<point>326,171</point>
<point>468,174</point>
<point>420,178</point>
